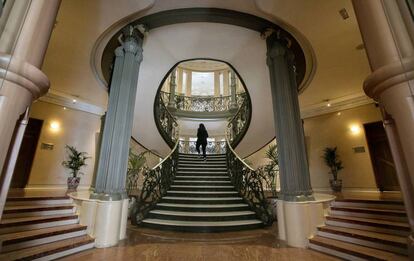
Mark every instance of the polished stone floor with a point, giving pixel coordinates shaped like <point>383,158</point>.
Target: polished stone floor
<point>149,244</point>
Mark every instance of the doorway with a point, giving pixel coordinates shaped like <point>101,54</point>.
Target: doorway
<point>381,157</point>
<point>26,154</point>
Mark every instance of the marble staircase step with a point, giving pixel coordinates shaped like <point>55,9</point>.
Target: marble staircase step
<point>202,182</point>
<point>373,213</point>
<point>200,177</point>
<point>177,193</point>
<point>203,226</point>
<point>37,210</point>
<point>10,225</point>
<point>381,226</point>
<point>38,200</point>
<point>202,200</point>
<point>203,207</point>
<point>201,172</point>
<point>368,203</point>
<point>390,243</point>
<point>349,251</point>
<point>201,216</point>
<point>30,238</point>
<point>201,188</point>
<point>51,251</point>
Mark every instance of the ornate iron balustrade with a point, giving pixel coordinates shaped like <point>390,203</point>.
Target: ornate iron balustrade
<point>166,123</point>
<point>239,123</point>
<point>203,103</point>
<point>213,147</point>
<point>249,183</point>
<point>157,182</point>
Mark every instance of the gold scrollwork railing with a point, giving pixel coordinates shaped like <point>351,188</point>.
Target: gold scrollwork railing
<point>249,183</point>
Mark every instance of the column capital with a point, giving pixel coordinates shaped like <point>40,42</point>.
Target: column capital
<point>131,39</point>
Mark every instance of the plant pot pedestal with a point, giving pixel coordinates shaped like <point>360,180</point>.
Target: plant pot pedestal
<point>273,205</point>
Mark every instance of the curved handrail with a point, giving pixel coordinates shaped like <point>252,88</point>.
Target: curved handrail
<point>235,154</point>
<point>166,123</point>
<point>236,137</point>
<point>157,182</point>
<point>248,182</point>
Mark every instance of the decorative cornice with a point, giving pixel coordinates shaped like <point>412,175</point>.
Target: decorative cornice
<point>66,100</point>
<point>338,104</point>
<point>389,75</point>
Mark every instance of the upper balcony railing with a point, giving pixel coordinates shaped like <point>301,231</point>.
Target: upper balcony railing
<point>203,103</point>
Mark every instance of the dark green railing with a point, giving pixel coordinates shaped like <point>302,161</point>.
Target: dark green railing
<point>238,124</point>
<point>249,184</point>
<point>166,123</point>
<point>157,182</point>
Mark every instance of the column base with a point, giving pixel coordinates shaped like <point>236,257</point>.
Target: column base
<point>106,220</point>
<point>298,221</point>
<point>298,197</point>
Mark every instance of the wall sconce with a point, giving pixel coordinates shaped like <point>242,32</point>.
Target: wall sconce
<point>54,126</point>
<point>355,129</point>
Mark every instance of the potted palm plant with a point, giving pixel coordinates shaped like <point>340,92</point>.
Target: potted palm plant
<point>136,163</point>
<point>75,160</point>
<point>269,174</point>
<point>331,159</point>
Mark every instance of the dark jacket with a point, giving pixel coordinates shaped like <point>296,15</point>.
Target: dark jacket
<point>202,136</point>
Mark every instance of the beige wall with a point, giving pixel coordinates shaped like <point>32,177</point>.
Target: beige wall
<point>77,129</point>
<point>151,158</point>
<point>334,130</point>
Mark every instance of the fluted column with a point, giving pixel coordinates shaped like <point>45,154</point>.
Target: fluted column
<point>387,30</point>
<point>294,170</point>
<point>225,83</point>
<point>189,83</point>
<point>233,86</point>
<point>179,80</point>
<point>26,27</point>
<point>216,83</point>
<point>113,159</point>
<point>173,85</point>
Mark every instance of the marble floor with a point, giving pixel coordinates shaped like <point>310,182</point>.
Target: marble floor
<point>149,244</point>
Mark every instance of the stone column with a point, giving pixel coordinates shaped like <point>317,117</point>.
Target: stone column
<point>179,80</point>
<point>113,157</point>
<point>226,83</point>
<point>173,85</point>
<point>233,86</point>
<point>23,45</point>
<point>387,30</point>
<point>294,170</point>
<point>297,212</point>
<point>216,83</point>
<point>189,83</point>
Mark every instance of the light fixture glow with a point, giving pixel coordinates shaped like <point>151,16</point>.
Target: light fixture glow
<point>339,113</point>
<point>54,126</point>
<point>64,108</point>
<point>74,100</point>
<point>355,129</point>
<point>329,105</point>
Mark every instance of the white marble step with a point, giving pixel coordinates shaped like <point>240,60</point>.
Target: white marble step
<point>203,177</point>
<point>187,186</point>
<point>201,223</point>
<point>203,165</point>
<point>212,206</point>
<point>203,199</point>
<point>201,214</point>
<point>202,192</point>
<point>201,172</point>
<point>203,181</point>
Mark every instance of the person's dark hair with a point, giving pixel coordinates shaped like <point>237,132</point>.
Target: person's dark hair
<point>201,126</point>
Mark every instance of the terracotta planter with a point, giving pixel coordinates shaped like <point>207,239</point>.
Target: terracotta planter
<point>73,183</point>
<point>336,185</point>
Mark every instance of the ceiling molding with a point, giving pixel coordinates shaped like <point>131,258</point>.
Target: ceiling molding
<point>66,100</point>
<point>338,104</point>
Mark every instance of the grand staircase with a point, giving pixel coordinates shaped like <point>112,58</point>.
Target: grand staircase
<point>202,199</point>
<point>41,228</point>
<point>357,229</point>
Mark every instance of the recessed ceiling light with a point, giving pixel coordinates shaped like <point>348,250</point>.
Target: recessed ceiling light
<point>64,108</point>
<point>329,105</point>
<point>339,113</point>
<point>74,100</point>
<point>344,14</point>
